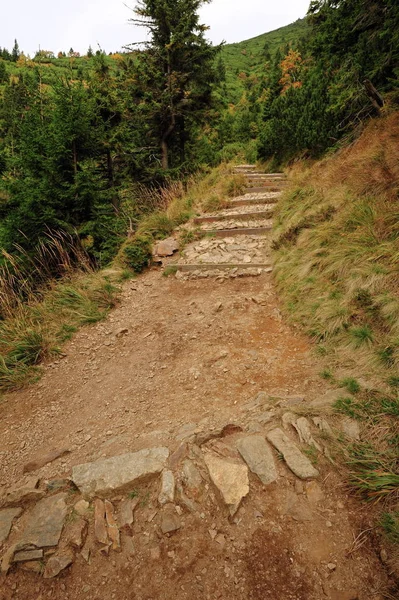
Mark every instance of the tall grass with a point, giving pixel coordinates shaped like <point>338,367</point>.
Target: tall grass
<point>336,253</point>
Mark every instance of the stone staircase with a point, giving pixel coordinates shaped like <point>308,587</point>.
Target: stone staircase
<point>237,239</point>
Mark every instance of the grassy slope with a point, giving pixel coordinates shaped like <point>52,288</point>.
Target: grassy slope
<point>336,267</point>
<point>247,56</point>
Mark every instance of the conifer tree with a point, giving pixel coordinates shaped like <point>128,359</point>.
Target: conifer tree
<point>175,73</point>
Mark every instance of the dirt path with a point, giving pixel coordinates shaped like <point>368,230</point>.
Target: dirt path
<point>182,360</point>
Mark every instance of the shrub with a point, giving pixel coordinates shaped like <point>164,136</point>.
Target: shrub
<point>137,253</point>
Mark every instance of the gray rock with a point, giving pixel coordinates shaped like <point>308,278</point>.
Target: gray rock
<point>6,518</point>
<point>27,555</point>
<point>167,493</point>
<point>230,478</point>
<point>56,564</point>
<point>170,522</point>
<point>45,522</point>
<point>259,457</point>
<point>327,401</point>
<point>351,428</point>
<point>119,473</point>
<point>166,247</point>
<point>302,426</point>
<point>191,477</point>
<point>299,464</point>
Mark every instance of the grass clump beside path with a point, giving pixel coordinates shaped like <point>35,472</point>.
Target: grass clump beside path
<point>336,254</point>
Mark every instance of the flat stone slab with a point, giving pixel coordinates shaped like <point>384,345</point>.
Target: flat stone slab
<point>119,473</point>
<point>230,478</point>
<point>45,523</point>
<point>6,518</point>
<point>299,464</point>
<point>167,493</point>
<point>259,457</point>
<point>27,555</point>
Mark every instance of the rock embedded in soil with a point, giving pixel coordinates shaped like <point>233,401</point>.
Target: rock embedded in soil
<point>259,457</point>
<point>302,426</point>
<point>166,247</point>
<point>126,514</point>
<point>27,555</point>
<point>23,493</point>
<point>41,461</point>
<point>6,518</point>
<point>76,532</point>
<point>191,477</point>
<point>113,531</point>
<point>45,522</point>
<point>351,429</point>
<point>167,493</point>
<point>56,564</point>
<point>119,473</point>
<point>100,526</point>
<point>299,464</point>
<point>230,478</point>
<point>170,522</point>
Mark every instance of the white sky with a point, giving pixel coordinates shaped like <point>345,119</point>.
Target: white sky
<point>58,25</point>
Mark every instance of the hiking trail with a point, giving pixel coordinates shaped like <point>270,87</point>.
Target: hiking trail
<point>185,448</point>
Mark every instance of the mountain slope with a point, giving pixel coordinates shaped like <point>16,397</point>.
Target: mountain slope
<point>250,56</point>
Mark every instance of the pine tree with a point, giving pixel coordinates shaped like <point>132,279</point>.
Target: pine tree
<point>175,72</point>
<point>15,54</point>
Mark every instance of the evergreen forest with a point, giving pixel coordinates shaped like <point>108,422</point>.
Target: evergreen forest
<point>81,136</point>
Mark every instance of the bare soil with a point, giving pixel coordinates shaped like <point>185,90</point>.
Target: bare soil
<point>194,353</point>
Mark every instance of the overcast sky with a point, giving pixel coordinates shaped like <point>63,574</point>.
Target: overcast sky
<point>59,25</point>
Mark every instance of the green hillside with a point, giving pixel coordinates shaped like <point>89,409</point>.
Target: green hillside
<point>250,56</point>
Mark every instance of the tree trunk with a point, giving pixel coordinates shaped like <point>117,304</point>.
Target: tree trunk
<point>165,154</point>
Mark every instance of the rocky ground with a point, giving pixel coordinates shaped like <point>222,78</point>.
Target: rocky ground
<point>185,448</point>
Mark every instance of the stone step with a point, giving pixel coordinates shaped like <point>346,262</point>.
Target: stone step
<point>238,231</point>
<point>266,214</point>
<point>263,188</point>
<point>185,268</point>
<point>248,201</point>
<point>281,176</point>
<point>241,168</point>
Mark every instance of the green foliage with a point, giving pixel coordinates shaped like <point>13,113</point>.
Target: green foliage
<point>136,253</point>
<point>390,524</point>
<point>350,384</point>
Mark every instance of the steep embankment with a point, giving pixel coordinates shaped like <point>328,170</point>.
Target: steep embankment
<point>337,251</point>
<point>336,266</point>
